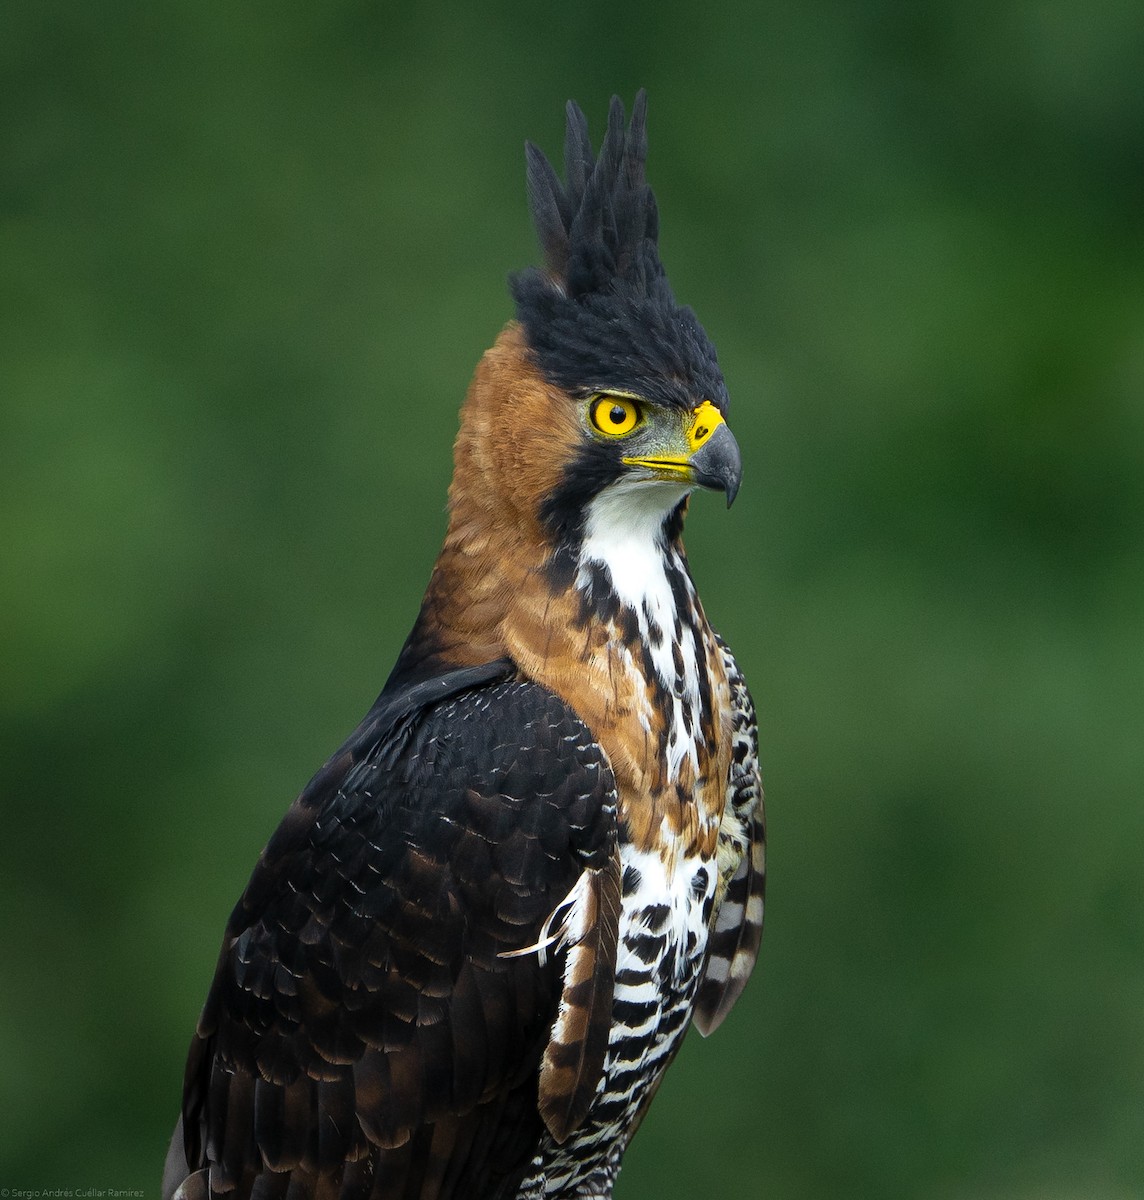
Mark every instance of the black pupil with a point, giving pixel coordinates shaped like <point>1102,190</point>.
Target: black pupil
<point>618,415</point>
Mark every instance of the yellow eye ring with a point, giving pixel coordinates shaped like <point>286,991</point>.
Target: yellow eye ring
<point>615,415</point>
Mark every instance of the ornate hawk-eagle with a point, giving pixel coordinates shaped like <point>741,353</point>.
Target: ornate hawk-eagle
<point>473,946</point>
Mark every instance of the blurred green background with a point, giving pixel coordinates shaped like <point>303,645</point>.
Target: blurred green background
<point>250,255</point>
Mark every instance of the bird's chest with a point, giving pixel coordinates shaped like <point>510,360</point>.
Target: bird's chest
<point>661,700</point>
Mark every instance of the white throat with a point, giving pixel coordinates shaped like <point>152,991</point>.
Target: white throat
<point>625,533</point>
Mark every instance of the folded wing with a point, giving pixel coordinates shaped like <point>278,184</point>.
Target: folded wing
<point>370,1029</point>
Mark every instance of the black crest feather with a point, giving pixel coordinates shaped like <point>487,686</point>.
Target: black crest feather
<point>601,313</point>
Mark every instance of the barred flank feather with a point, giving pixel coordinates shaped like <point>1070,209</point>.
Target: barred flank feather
<point>738,926</point>
<point>735,939</point>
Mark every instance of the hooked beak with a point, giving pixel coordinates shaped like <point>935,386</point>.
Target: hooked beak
<point>718,463</point>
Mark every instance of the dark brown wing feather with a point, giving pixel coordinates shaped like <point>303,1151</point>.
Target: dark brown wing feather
<point>574,1057</point>
<point>369,1032</point>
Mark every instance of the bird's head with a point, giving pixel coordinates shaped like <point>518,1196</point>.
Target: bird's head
<point>605,399</point>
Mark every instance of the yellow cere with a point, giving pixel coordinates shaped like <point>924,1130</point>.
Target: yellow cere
<point>705,420</point>
<point>615,415</point>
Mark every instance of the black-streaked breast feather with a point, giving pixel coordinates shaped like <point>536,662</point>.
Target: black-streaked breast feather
<point>367,1031</point>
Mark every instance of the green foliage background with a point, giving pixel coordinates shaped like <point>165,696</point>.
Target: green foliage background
<point>251,254</point>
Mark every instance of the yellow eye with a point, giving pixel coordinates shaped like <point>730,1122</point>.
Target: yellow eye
<point>614,415</point>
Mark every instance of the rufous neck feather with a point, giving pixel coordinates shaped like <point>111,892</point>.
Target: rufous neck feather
<point>517,433</point>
